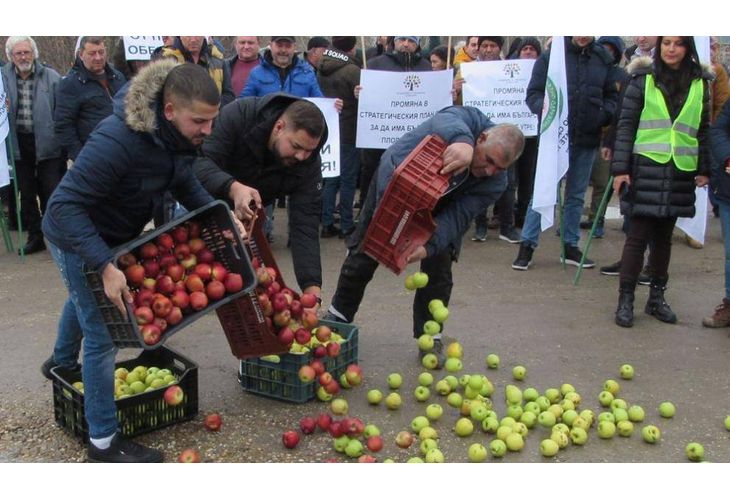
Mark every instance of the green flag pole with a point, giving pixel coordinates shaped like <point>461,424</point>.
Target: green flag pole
<point>4,226</point>
<point>600,214</point>
<point>9,145</point>
<point>562,224</point>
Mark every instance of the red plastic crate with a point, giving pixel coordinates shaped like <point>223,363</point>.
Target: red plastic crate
<point>403,222</point>
<point>243,320</point>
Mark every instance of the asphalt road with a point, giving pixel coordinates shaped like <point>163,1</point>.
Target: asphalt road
<point>539,319</point>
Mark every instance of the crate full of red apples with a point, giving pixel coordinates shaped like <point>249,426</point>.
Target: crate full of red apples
<point>176,274</point>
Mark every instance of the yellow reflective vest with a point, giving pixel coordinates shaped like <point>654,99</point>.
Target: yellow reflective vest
<point>661,140</point>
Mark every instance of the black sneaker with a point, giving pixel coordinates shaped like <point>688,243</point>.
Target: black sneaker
<point>122,450</point>
<point>524,257</point>
<point>510,235</point>
<point>480,234</point>
<point>49,364</point>
<point>611,270</point>
<point>35,244</point>
<point>330,316</point>
<point>330,231</point>
<point>573,256</point>
<point>586,224</point>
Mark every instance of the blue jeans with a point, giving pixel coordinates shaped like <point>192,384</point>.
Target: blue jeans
<point>725,223</point>
<point>81,319</point>
<point>347,185</point>
<point>576,183</point>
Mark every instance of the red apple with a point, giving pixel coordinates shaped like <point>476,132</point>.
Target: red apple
<point>296,309</point>
<point>353,426</point>
<point>180,299</point>
<point>302,336</point>
<point>160,323</point>
<point>135,274</point>
<point>161,307</point>
<point>203,270</point>
<point>165,285</point>
<point>318,366</point>
<point>353,374</point>
<point>233,282</point>
<point>306,374</point>
<point>272,273</point>
<point>273,289</point>
<point>332,388</point>
<point>374,443</point>
<point>174,317</point>
<point>366,459</point>
<point>165,241</point>
<point>126,260</point>
<point>307,425</point>
<point>279,302</point>
<point>309,320</point>
<point>290,439</point>
<point>215,290</point>
<point>213,422</point>
<point>194,229</point>
<point>175,271</point>
<point>144,315</point>
<point>194,284</point>
<point>180,234</point>
<point>218,271</point>
<point>285,336</point>
<point>196,245</point>
<point>255,263</point>
<point>151,334</point>
<point>319,351</point>
<point>205,256</point>
<point>263,277</point>
<point>189,262</point>
<point>325,378</point>
<point>404,439</point>
<point>189,456</point>
<point>198,301</point>
<point>144,298</point>
<point>308,300</point>
<point>182,251</point>
<point>174,395</point>
<point>336,429</point>
<point>282,319</point>
<point>167,260</point>
<point>324,420</point>
<point>149,251</point>
<point>333,349</point>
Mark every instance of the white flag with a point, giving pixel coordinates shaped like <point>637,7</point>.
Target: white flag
<point>4,130</point>
<point>552,157</point>
<point>696,226</point>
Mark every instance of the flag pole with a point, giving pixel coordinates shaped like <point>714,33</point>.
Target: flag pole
<point>9,145</point>
<point>364,57</point>
<point>600,213</point>
<point>448,54</point>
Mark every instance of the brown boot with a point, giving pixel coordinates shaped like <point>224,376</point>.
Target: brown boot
<point>721,318</point>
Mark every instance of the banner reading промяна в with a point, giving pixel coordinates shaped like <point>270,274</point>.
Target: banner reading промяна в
<point>393,103</point>
<point>498,88</point>
<point>331,150</point>
<point>140,48</point>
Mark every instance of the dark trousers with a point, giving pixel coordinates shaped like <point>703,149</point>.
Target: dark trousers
<point>505,205</point>
<point>369,161</point>
<point>35,180</point>
<point>643,231</point>
<point>525,173</point>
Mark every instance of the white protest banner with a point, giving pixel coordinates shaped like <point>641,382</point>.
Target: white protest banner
<point>393,103</point>
<point>552,156</point>
<point>696,226</point>
<point>4,130</point>
<point>331,150</point>
<point>140,48</point>
<point>497,89</point>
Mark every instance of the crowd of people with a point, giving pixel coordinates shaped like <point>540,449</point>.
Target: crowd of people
<point>108,147</point>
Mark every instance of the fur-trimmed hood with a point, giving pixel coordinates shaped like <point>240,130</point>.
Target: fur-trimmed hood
<point>137,105</point>
<point>643,66</point>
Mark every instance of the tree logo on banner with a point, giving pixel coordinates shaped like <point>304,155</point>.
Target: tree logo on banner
<point>412,82</point>
<point>550,106</point>
<point>511,70</point>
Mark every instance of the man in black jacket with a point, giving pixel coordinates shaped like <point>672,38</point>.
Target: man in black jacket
<point>267,147</point>
<point>84,96</point>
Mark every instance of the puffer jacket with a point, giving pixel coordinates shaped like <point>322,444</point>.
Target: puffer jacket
<point>592,93</point>
<point>299,79</point>
<point>81,103</point>
<point>400,61</point>
<point>338,76</point>
<point>129,161</point>
<point>656,190</point>
<point>720,141</point>
<point>45,82</point>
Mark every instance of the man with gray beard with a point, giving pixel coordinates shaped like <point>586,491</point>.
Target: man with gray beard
<point>31,91</point>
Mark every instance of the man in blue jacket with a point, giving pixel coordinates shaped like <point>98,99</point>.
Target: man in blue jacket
<point>144,149</point>
<point>478,154</point>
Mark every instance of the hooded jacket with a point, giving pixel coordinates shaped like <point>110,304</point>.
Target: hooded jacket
<point>592,92</point>
<point>338,76</point>
<point>131,159</point>
<point>81,103</point>
<point>656,190</point>
<point>720,140</point>
<point>45,82</point>
<point>238,150</point>
<point>400,61</point>
<point>265,79</point>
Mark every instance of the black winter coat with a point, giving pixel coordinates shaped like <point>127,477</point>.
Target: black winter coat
<point>592,93</point>
<point>400,61</point>
<point>237,150</point>
<point>338,76</point>
<point>81,103</point>
<point>656,190</point>
<point>720,141</point>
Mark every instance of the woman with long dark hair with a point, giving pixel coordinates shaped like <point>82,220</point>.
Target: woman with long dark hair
<point>661,153</point>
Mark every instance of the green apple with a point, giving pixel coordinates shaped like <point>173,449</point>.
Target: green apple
<point>507,421</point>
<point>414,460</point>
<point>515,411</point>
<point>581,423</point>
<point>636,413</point>
<point>513,394</point>
<point>374,396</point>
<point>569,416</point>
<point>620,414</point>
<point>530,394</point>
<point>428,433</point>
<point>607,415</point>
<point>651,434</point>
<point>573,397</point>
<point>546,419</point>
<point>409,283</point>
<point>606,429</point>
<point>567,404</point>
<point>487,387</point>
<point>519,372</point>
<point>425,379</point>
<point>625,428</point>
<point>475,382</point>
<point>430,361</point>
<point>464,380</point>
<point>563,440</point>
<point>549,448</point>
<point>611,386</point>
<point>566,388</point>
<point>492,361</point>
<point>553,395</point>
<point>619,403</point>
<point>422,393</point>
<point>434,411</point>
<point>529,419</point>
<point>443,387</point>
<point>498,448</point>
<point>605,398</point>
<point>354,448</point>
<point>393,401</point>
<point>340,443</point>
<point>453,381</point>
<point>557,410</point>
<point>588,416</point>
<point>464,427</point>
<point>561,427</point>
<point>157,383</point>
<point>455,350</point>
<point>121,373</point>
<point>727,423</point>
<point>520,429</point>
<point>428,445</point>
<point>470,393</point>
<point>371,430</point>
<point>431,327</point>
<point>425,343</point>
<point>532,407</point>
<point>543,403</point>
<point>339,406</point>
<point>515,442</point>
<point>667,409</point>
<point>434,456</point>
<point>395,380</point>
<point>478,412</point>
<point>323,395</point>
<point>165,371</point>
<point>490,425</point>
<point>344,383</point>
<point>454,400</point>
<point>420,279</point>
<point>453,365</point>
<point>578,436</point>
<point>435,304</point>
<point>440,314</point>
<point>626,372</point>
<point>137,387</point>
<point>477,453</point>
<point>695,452</point>
<point>132,377</point>
<point>419,423</point>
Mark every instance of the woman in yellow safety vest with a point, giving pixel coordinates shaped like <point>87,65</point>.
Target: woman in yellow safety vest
<point>661,153</point>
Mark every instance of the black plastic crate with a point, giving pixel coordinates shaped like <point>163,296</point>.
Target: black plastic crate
<point>281,380</point>
<point>215,219</point>
<point>136,414</point>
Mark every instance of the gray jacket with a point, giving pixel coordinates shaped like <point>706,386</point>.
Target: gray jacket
<point>44,102</point>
